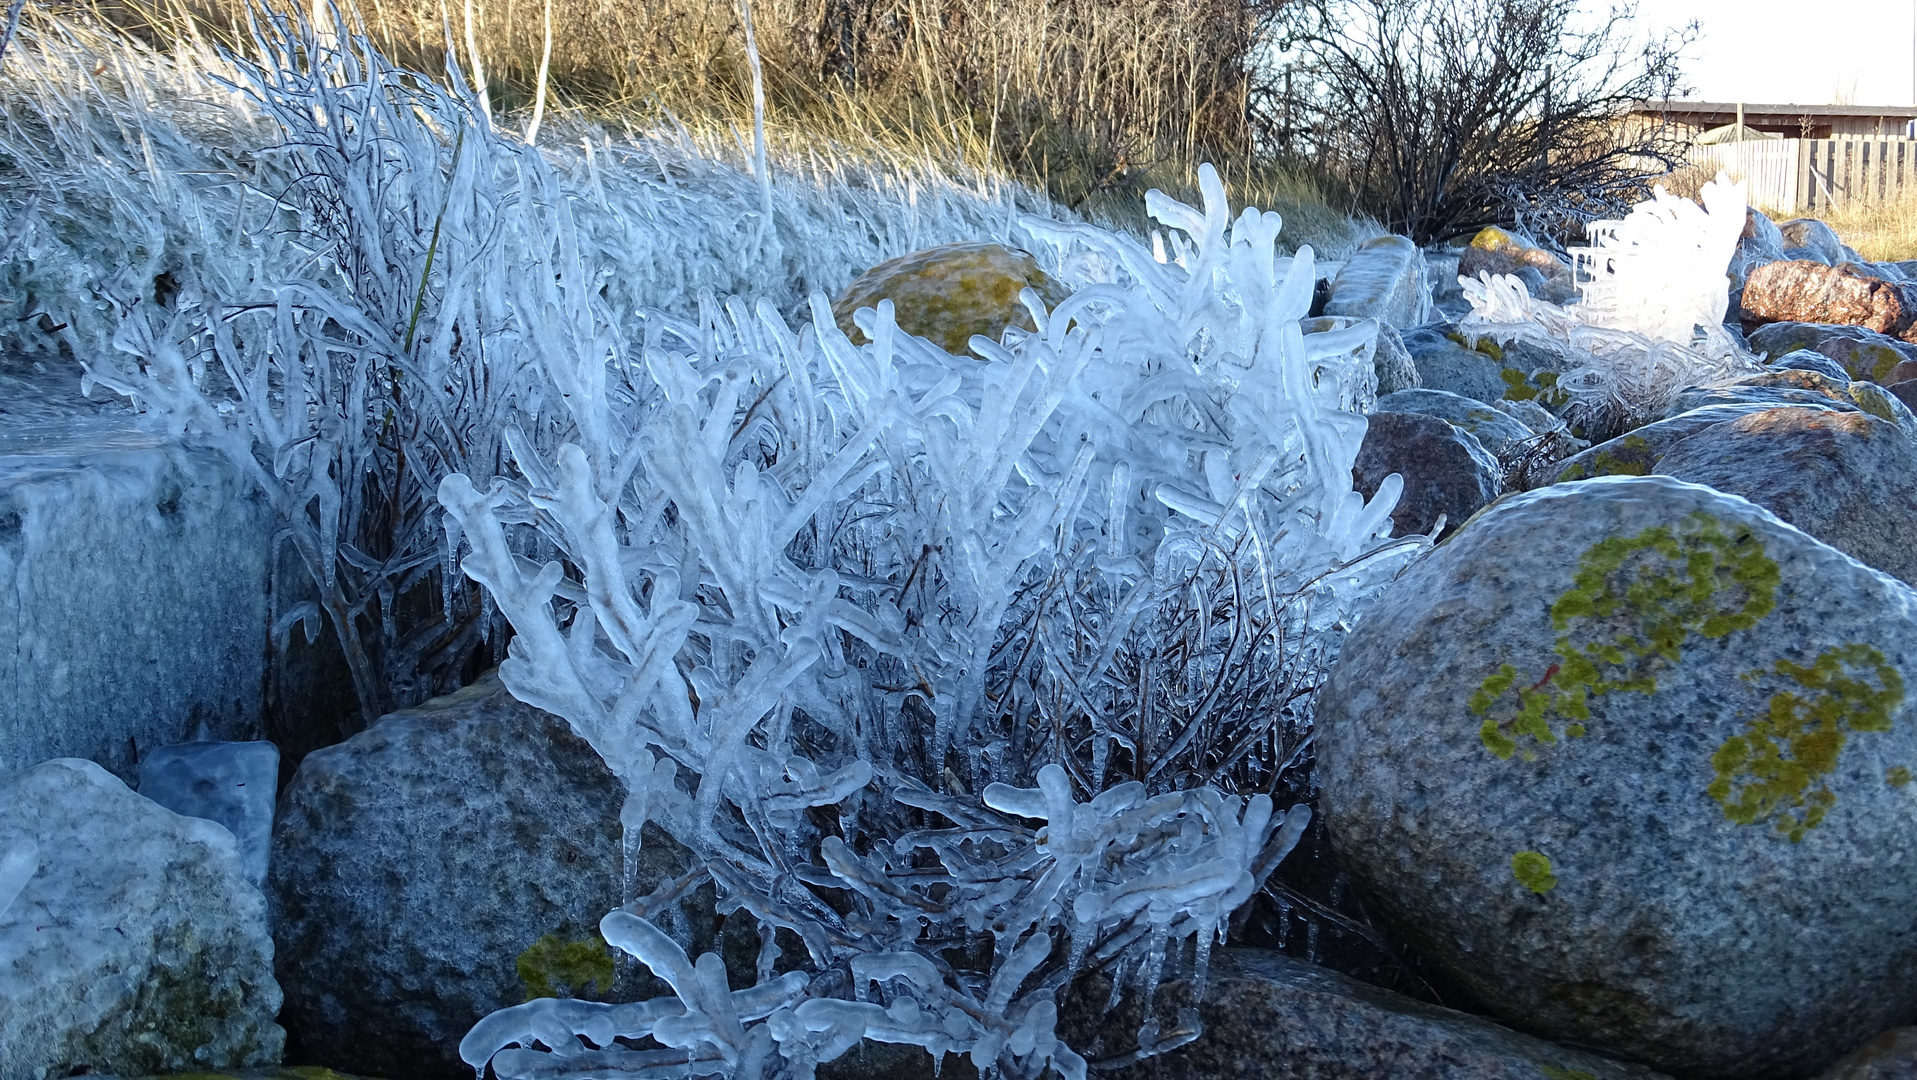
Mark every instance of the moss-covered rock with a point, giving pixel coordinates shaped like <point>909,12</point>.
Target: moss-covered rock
<point>946,294</point>
<point>419,866</point>
<point>1631,759</point>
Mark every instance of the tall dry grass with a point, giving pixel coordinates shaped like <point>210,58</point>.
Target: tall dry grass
<point>1093,102</point>
<point>1881,232</point>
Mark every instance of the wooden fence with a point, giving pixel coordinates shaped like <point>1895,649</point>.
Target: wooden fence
<point>1805,175</point>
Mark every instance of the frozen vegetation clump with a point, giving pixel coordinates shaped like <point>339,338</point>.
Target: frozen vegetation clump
<point>1651,318</point>
<point>310,260</point>
<point>960,675</point>
<point>815,594</point>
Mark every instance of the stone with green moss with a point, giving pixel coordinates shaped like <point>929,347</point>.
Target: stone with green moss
<point>1630,758</point>
<point>1865,354</point>
<point>1636,452</point>
<point>949,293</point>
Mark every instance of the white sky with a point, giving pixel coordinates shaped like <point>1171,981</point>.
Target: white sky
<point>1802,52</point>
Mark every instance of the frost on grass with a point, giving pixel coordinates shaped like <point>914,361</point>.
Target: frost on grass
<point>317,263</point>
<point>1650,321</point>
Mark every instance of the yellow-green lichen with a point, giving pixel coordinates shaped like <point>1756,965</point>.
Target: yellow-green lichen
<point>1541,387</point>
<point>1897,775</point>
<point>555,967</point>
<point>1554,1072</point>
<point>1775,770</point>
<point>1631,604</point>
<point>1486,346</point>
<point>1533,871</point>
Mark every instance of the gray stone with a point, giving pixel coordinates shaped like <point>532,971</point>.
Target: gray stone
<point>1810,234</point>
<point>1544,753</point>
<point>133,607</point>
<point>1890,1056</point>
<point>1637,452</point>
<point>1443,364</point>
<point>1761,242</point>
<point>232,783</point>
<point>1889,271</point>
<point>1496,429</point>
<point>1531,414</point>
<point>1441,267</point>
<point>1446,472</point>
<point>1847,478</point>
<point>1811,360</point>
<point>1393,363</point>
<point>1905,391</point>
<point>134,943</point>
<point>1271,1017</point>
<point>1384,280</point>
<point>1698,397</point>
<point>415,862</point>
<point>1862,353</point>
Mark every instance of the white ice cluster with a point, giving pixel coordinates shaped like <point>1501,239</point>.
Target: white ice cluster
<point>1650,320</point>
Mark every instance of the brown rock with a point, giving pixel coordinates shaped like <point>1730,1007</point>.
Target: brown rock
<point>1447,472</point>
<point>1890,1056</point>
<point>1803,291</point>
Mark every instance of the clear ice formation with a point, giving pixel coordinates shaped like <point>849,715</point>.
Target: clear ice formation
<point>1650,321</point>
<point>813,577</point>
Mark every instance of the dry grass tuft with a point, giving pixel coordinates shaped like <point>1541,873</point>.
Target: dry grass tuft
<point>1881,232</point>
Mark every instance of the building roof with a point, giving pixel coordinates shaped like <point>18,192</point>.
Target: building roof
<point>1706,110</point>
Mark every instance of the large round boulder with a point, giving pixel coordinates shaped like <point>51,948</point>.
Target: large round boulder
<point>1632,758</point>
<point>448,861</point>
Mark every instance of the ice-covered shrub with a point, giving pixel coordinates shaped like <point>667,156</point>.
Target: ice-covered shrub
<point>308,258</point>
<point>815,593</point>
<point>1651,316</point>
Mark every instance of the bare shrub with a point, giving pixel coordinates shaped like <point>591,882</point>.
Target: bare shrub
<point>1448,115</point>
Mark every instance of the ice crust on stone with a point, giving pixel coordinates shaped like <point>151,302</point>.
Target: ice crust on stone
<point>231,783</point>
<point>1650,321</point>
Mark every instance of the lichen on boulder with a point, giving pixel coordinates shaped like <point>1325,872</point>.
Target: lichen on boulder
<point>1631,759</point>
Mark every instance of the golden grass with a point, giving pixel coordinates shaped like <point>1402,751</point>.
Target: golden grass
<point>1881,232</point>
<point>1093,102</point>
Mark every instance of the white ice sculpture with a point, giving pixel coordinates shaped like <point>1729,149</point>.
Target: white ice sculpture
<point>1651,318</point>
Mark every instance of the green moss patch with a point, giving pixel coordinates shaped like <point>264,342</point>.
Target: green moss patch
<point>555,967</point>
<point>1632,604</point>
<point>1533,871</point>
<point>1774,771</point>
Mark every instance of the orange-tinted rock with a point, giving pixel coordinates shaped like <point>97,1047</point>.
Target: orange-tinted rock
<point>1803,291</point>
<point>948,293</point>
<point>1499,252</point>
